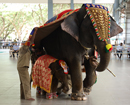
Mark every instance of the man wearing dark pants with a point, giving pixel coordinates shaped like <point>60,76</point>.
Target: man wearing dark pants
<point>119,50</point>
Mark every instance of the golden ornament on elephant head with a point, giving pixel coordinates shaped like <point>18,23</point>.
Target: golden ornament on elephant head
<point>100,18</point>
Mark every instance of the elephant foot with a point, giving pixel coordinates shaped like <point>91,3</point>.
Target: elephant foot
<point>87,90</point>
<point>78,97</point>
<point>55,95</point>
<point>49,96</point>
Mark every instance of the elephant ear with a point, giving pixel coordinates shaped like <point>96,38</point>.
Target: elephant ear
<point>72,23</point>
<point>51,67</point>
<point>54,66</point>
<point>114,29</point>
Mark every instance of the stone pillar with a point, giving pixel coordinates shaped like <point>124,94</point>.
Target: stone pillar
<point>72,4</point>
<point>93,1</point>
<point>127,27</point>
<point>50,9</point>
<point>115,11</point>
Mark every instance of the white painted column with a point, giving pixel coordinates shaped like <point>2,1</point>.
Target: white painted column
<point>127,29</point>
<point>50,9</point>
<point>72,4</point>
<point>93,1</point>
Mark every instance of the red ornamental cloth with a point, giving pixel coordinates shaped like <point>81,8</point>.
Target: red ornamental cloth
<point>41,74</point>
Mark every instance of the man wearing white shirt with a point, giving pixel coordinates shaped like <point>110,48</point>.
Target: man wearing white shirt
<point>119,50</point>
<point>15,49</point>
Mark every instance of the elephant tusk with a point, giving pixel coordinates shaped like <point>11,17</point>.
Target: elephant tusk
<point>111,72</point>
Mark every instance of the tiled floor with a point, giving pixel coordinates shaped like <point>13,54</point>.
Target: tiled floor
<point>108,90</point>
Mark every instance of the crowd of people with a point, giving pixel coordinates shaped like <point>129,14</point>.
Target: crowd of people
<point>13,47</point>
<point>119,49</point>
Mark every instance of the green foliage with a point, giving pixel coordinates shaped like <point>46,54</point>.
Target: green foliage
<point>26,18</point>
<point>23,18</point>
<point>39,14</point>
<point>57,8</point>
<point>76,6</point>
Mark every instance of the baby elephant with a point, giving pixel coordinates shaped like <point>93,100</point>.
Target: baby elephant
<point>47,72</point>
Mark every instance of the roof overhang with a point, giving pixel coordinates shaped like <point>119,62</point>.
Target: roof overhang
<point>56,1</point>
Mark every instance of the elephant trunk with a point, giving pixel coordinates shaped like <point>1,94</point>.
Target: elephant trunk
<point>104,57</point>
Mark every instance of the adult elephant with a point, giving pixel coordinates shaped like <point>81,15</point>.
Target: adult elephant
<point>69,41</point>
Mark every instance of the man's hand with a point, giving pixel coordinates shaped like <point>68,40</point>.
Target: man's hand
<point>93,62</point>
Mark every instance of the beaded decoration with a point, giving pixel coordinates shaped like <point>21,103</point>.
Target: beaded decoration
<point>100,18</point>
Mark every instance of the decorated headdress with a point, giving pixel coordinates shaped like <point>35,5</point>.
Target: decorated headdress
<point>64,66</point>
<point>100,18</point>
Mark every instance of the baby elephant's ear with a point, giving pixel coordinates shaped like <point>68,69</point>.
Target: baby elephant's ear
<point>52,67</point>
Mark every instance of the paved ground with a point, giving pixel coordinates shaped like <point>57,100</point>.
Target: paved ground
<point>108,90</point>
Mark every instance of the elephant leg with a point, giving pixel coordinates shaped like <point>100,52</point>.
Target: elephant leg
<point>66,88</point>
<point>59,88</point>
<point>76,78</point>
<point>54,84</point>
<point>52,93</point>
<point>90,66</point>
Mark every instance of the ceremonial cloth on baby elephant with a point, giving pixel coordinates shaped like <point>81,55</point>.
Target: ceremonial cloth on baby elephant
<point>41,74</point>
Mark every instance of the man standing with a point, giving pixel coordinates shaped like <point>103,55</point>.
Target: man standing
<point>22,66</point>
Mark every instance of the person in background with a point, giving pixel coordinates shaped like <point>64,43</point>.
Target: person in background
<point>11,50</point>
<point>116,44</point>
<point>119,50</point>
<point>4,44</point>
<point>15,49</point>
<point>128,50</point>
